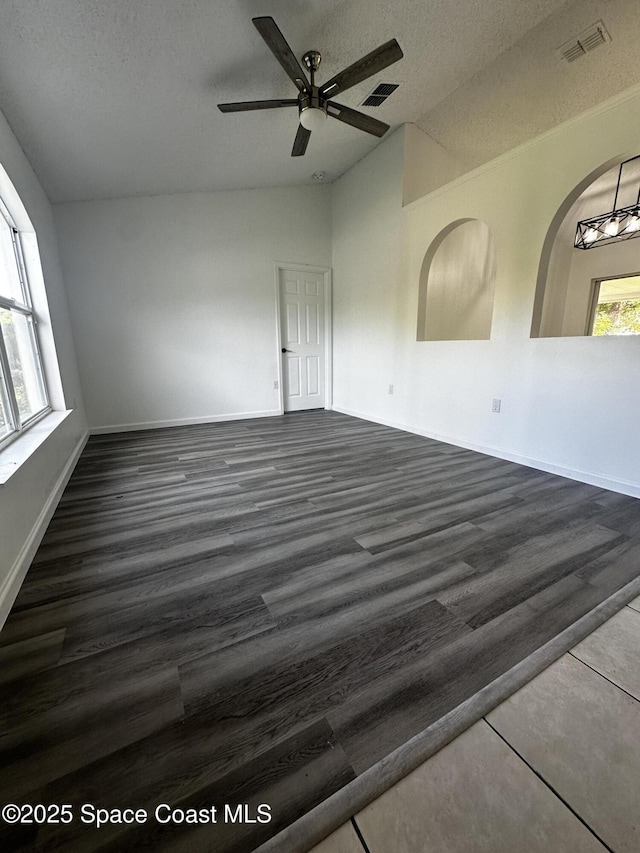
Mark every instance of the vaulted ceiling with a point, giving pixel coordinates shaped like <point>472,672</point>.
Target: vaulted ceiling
<point>119,98</point>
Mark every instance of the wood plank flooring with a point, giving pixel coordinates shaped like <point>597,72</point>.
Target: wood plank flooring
<point>257,612</point>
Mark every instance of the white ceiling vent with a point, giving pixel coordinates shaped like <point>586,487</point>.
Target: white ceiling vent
<point>587,40</point>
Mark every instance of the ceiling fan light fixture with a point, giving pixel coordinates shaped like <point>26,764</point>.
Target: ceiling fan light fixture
<point>312,118</point>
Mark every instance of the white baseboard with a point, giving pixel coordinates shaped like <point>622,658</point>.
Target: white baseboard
<point>624,487</point>
<point>11,585</point>
<point>207,419</point>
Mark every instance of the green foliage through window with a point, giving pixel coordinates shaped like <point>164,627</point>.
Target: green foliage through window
<point>617,318</point>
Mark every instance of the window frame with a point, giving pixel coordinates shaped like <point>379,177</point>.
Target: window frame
<point>594,301</point>
<point>16,422</point>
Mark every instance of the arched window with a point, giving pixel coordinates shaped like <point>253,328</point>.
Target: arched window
<point>457,283</point>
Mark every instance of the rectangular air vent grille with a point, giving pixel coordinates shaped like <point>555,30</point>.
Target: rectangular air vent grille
<point>586,41</point>
<point>379,94</point>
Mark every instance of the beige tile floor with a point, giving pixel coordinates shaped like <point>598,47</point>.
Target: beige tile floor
<point>556,767</point>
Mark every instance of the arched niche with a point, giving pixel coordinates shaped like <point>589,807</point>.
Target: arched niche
<point>457,283</point>
<point>567,277</point>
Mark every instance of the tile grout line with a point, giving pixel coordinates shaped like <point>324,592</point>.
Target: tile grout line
<point>260,482</point>
<point>360,835</point>
<point>550,787</point>
<point>606,678</point>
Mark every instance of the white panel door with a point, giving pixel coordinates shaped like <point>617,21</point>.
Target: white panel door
<point>302,339</point>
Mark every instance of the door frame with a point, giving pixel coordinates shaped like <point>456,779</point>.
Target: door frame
<point>328,329</point>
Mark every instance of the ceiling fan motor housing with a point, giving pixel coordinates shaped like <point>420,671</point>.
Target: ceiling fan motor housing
<point>312,99</point>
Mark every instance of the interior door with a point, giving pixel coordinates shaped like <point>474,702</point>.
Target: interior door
<point>302,338</point>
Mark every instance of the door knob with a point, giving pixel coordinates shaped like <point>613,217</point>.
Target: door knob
<point>284,349</point>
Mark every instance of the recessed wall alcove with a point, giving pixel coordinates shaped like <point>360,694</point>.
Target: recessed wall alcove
<point>457,283</point>
<point>569,279</point>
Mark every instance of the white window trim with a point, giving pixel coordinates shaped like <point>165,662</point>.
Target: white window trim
<point>595,297</point>
<point>15,454</point>
<point>26,308</point>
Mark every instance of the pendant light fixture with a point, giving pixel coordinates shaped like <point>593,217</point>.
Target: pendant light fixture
<point>618,224</point>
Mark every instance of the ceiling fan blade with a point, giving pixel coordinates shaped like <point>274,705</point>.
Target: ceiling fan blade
<point>356,119</point>
<point>300,142</point>
<point>269,31</point>
<point>380,58</point>
<point>243,106</point>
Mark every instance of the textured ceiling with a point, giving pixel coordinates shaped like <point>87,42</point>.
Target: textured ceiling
<point>529,89</point>
<point>119,98</point>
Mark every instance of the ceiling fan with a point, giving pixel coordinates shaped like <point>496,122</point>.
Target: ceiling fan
<point>314,102</point>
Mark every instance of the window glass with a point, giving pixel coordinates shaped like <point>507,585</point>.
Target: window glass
<point>24,364</point>
<point>5,421</point>
<point>10,285</point>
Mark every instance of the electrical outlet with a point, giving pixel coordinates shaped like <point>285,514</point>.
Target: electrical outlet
<point>391,389</point>
<point>276,384</point>
<point>496,406</point>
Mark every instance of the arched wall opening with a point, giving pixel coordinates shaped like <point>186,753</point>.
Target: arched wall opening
<point>457,282</point>
<point>569,278</point>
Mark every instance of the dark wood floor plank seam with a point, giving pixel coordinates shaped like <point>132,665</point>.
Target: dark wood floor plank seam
<point>266,609</point>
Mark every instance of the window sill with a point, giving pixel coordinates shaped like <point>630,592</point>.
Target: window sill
<point>13,457</point>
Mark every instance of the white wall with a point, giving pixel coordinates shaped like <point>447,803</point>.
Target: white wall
<point>172,299</point>
<point>370,315</point>
<point>559,315</point>
<point>569,405</point>
<point>28,497</point>
<point>427,165</point>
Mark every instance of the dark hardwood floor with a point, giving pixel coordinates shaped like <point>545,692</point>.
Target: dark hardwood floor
<point>256,612</point>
